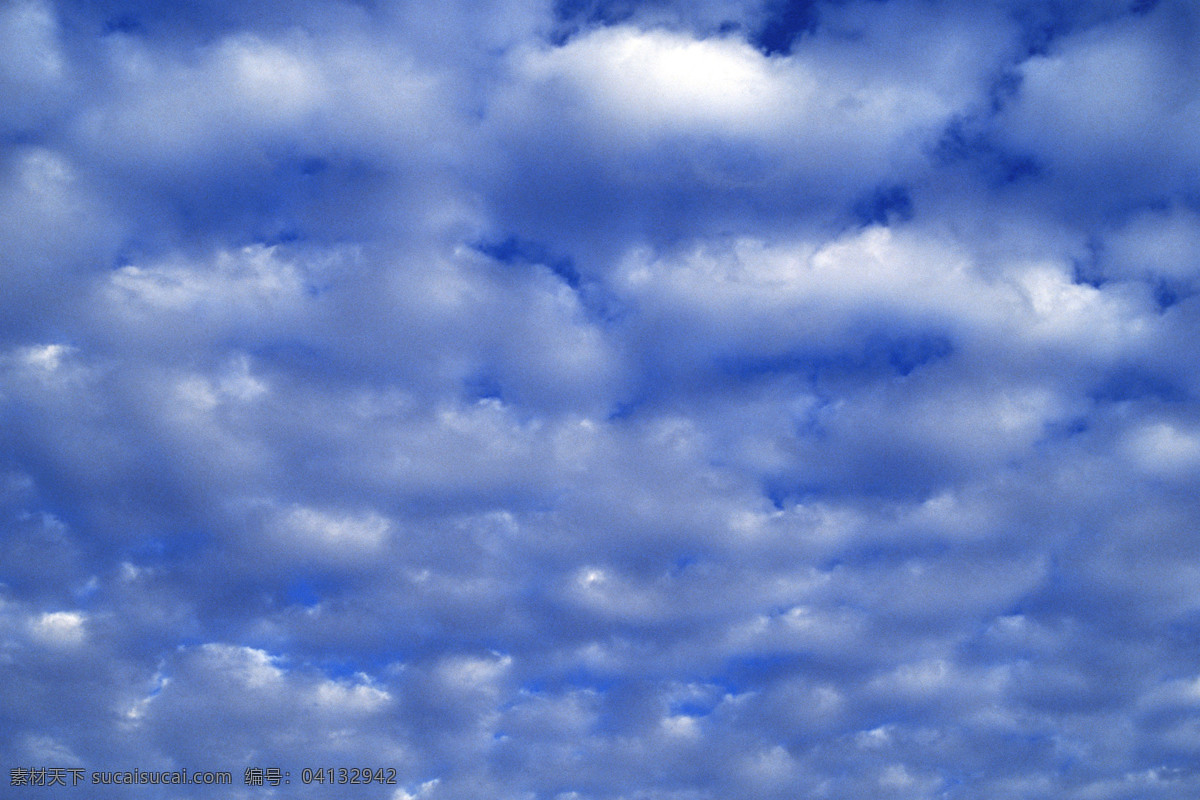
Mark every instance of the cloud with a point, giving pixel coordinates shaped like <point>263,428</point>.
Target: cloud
<point>624,117</point>
<point>59,628</point>
<point>602,400</point>
<point>1155,244</point>
<point>1107,108</point>
<point>33,69</point>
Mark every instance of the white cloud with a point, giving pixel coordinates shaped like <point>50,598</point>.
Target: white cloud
<point>248,667</point>
<point>423,790</point>
<point>660,81</point>
<point>717,109</point>
<point>336,535</point>
<point>252,278</point>
<point>60,628</point>
<point>1156,243</point>
<point>1162,448</point>
<point>246,91</point>
<point>1113,104</point>
<point>583,404</point>
<point>357,698</point>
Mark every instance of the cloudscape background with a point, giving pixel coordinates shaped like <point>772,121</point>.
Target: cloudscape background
<point>601,399</point>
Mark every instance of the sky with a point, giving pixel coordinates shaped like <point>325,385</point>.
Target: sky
<point>602,399</point>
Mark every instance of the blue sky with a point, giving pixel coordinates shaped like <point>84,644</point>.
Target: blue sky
<point>603,400</point>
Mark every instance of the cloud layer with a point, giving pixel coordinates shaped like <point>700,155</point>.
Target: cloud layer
<point>598,401</point>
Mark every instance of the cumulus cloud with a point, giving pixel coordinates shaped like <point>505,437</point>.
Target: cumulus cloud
<point>1111,104</point>
<point>602,400</point>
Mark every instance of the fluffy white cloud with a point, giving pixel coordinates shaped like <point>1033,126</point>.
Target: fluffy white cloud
<point>603,400</point>
<point>1109,108</point>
